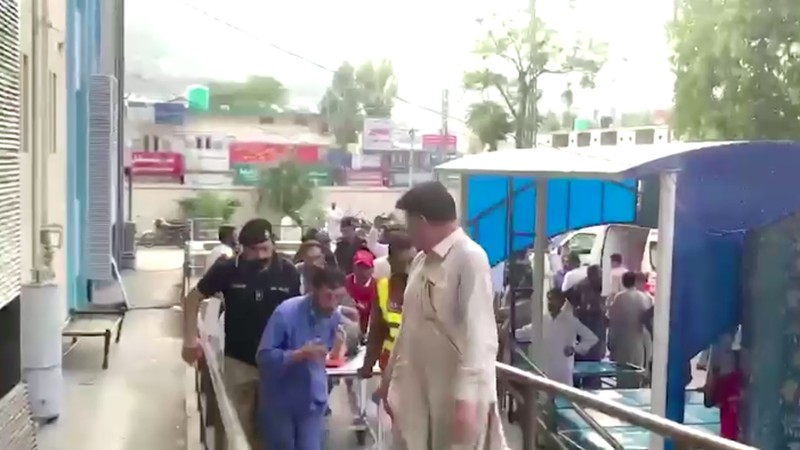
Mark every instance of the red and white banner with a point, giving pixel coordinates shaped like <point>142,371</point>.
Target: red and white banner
<point>157,163</point>
<point>439,142</point>
<point>378,134</point>
<point>241,152</point>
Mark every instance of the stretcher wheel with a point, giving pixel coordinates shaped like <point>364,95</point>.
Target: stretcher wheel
<point>361,437</point>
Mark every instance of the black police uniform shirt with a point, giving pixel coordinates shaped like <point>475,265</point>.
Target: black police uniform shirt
<point>251,293</point>
<point>346,250</point>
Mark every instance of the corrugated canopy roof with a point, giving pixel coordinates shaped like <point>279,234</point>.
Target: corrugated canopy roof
<point>605,162</point>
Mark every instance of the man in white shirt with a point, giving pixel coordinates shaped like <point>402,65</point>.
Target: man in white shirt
<point>334,218</point>
<point>575,272</point>
<point>564,336</point>
<point>440,384</point>
<point>376,238</point>
<point>618,269</point>
<point>226,246</point>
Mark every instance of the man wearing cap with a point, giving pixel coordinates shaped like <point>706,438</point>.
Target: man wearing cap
<point>252,284</point>
<point>348,245</point>
<point>361,286</point>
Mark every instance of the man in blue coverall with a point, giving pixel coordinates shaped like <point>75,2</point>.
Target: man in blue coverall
<point>291,364</point>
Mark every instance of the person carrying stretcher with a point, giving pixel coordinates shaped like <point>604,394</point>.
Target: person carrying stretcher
<point>386,314</point>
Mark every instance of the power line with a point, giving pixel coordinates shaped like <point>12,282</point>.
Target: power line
<point>295,54</point>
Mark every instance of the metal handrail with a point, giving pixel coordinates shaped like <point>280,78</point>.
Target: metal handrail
<point>659,425</point>
<point>232,431</point>
<point>593,424</point>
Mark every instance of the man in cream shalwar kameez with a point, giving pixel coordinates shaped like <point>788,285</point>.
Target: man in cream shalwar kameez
<point>442,385</point>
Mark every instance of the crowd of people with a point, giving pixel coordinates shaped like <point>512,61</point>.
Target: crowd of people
<point>417,298</point>
<point>286,321</point>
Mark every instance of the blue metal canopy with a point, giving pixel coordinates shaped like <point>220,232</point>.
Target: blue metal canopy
<point>722,191</point>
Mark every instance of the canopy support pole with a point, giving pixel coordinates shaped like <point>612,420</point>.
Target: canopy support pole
<point>666,231</point>
<point>540,247</point>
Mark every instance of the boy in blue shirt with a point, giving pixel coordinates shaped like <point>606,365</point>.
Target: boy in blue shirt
<point>291,364</point>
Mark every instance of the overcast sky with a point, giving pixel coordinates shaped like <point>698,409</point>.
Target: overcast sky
<point>429,42</point>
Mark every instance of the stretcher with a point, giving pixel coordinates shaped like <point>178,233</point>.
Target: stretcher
<point>605,369</point>
<point>359,395</point>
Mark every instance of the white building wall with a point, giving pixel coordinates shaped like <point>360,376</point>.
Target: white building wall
<point>44,131</point>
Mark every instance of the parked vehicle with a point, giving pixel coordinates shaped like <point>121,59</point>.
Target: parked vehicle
<point>166,233</point>
<point>596,244</point>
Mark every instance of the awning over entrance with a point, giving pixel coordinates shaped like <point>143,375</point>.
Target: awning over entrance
<point>720,192</point>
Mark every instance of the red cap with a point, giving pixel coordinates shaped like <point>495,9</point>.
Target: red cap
<point>364,258</point>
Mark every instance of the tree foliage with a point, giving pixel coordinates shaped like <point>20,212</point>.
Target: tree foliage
<point>377,88</point>
<point>490,123</point>
<point>286,188</point>
<point>257,93</point>
<point>515,55</point>
<point>354,94</point>
<point>737,67</point>
<point>341,105</point>
<point>209,205</point>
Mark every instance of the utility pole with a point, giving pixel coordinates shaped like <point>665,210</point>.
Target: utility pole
<point>445,113</point>
<point>412,133</point>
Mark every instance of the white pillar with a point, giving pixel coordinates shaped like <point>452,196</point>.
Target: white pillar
<point>666,231</point>
<point>539,254</point>
<point>538,299</point>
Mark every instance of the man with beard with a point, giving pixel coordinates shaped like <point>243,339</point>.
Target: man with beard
<point>252,285</point>
<point>291,359</point>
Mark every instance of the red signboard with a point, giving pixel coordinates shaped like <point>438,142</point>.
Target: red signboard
<point>442,142</point>
<point>157,163</point>
<point>262,152</point>
<point>365,178</point>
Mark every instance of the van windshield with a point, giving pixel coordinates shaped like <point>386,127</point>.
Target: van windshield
<point>653,254</point>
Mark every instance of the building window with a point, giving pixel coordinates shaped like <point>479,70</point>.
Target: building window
<point>198,142</point>
<point>399,159</point>
<point>301,120</point>
<point>266,120</point>
<point>151,143</point>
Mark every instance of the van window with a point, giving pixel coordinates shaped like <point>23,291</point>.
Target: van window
<point>581,243</point>
<point>653,254</point>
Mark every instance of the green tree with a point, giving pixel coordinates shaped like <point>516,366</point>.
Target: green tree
<point>737,68</point>
<point>341,105</point>
<point>354,94</point>
<point>208,205</point>
<point>516,54</point>
<point>256,94</point>
<point>490,123</point>
<point>377,87</point>
<point>286,188</point>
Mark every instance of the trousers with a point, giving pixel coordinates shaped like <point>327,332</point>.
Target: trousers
<point>288,431</point>
<point>241,382</point>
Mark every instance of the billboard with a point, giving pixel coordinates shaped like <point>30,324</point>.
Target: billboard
<point>241,152</point>
<point>378,134</point>
<point>439,142</point>
<point>157,163</point>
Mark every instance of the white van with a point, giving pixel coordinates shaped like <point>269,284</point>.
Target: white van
<point>596,245</point>
<point>649,259</point>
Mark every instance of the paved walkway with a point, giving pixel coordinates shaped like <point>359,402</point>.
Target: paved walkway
<point>138,403</point>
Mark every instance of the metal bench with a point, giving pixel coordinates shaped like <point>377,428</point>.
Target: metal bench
<point>17,430</point>
<point>95,323</point>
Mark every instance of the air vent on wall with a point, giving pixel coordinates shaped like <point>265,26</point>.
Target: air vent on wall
<point>102,142</point>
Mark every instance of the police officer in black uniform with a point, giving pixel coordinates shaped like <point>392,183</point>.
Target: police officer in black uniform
<point>252,284</point>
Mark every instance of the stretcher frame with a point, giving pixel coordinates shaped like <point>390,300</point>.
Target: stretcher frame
<point>361,425</point>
